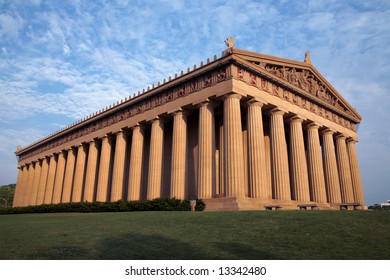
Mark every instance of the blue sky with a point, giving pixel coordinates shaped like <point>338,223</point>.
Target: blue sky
<point>63,60</point>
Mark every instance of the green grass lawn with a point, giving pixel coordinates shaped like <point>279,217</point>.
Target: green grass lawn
<point>197,235</point>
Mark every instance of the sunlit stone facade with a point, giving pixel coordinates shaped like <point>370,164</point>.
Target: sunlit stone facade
<point>243,131</point>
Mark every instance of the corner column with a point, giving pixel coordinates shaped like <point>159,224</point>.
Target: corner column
<point>344,170</point>
<point>330,167</point>
<point>119,167</point>
<point>155,159</point>
<point>90,177</point>
<point>234,154</point>
<point>257,159</point>
<point>299,172</point>
<point>77,192</point>
<point>315,165</point>
<point>104,171</point>
<point>356,181</point>
<point>68,180</point>
<point>61,161</point>
<point>19,185</point>
<point>179,155</point>
<point>279,158</point>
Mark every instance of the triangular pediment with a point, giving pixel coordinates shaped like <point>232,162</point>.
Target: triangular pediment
<point>300,76</point>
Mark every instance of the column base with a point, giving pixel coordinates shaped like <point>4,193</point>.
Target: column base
<point>246,203</point>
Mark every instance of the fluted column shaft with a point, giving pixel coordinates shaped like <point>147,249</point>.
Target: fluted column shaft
<point>315,165</point>
<point>155,160</point>
<point>279,157</point>
<point>135,172</point>
<point>344,170</point>
<point>19,185</point>
<point>299,173</point>
<point>355,173</point>
<point>330,167</point>
<point>50,180</point>
<point>206,168</point>
<point>267,146</point>
<point>234,155</point>
<point>119,167</point>
<point>69,174</point>
<point>90,177</point>
<point>257,159</point>
<point>29,184</point>
<point>61,161</point>
<point>179,156</point>
<point>78,181</point>
<point>104,170</point>
<point>42,181</point>
<point>34,192</point>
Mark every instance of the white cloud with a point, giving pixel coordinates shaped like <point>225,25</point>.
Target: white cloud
<point>10,25</point>
<point>66,50</point>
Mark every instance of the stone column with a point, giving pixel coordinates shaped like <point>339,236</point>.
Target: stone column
<point>104,170</point>
<point>79,174</point>
<point>119,167</point>
<point>221,155</point>
<point>59,178</point>
<point>257,160</point>
<point>315,165</point>
<point>279,157</point>
<point>330,167</point>
<point>234,155</point>
<point>356,181</point>
<point>344,170</point>
<point>267,146</point>
<point>29,184</point>
<point>42,181</point>
<point>37,175</point>
<point>299,173</point>
<point>24,185</point>
<point>135,172</point>
<point>179,156</point>
<point>18,186</point>
<point>90,177</point>
<point>69,173</point>
<point>155,159</point>
<point>50,180</point>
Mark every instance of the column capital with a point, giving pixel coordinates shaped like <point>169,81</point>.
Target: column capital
<point>179,111</point>
<point>207,102</point>
<point>296,118</point>
<point>312,125</point>
<point>351,140</point>
<point>257,101</point>
<point>252,103</point>
<point>340,136</point>
<point>232,95</point>
<point>120,131</point>
<point>327,130</point>
<point>160,119</point>
<point>277,111</point>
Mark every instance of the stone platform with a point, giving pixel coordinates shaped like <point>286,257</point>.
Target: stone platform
<point>245,203</point>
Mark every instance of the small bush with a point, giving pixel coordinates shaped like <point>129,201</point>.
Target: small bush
<point>158,204</point>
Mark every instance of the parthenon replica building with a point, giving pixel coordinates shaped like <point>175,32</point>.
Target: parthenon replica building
<point>243,131</point>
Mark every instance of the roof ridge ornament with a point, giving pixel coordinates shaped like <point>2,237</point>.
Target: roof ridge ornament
<point>307,57</point>
<point>230,42</point>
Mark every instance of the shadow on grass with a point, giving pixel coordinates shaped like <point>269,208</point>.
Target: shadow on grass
<point>149,247</point>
